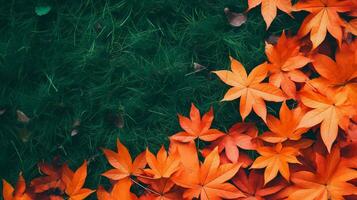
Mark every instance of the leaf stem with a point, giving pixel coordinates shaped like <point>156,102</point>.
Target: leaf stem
<point>145,188</point>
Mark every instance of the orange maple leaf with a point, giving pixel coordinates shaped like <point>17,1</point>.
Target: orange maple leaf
<point>209,180</point>
<point>161,189</point>
<point>332,110</point>
<point>120,191</point>
<point>253,185</point>
<point>241,135</point>
<point>269,8</point>
<point>122,163</point>
<point>162,166</point>
<point>353,12</point>
<point>52,180</point>
<point>323,17</point>
<point>184,149</point>
<point>244,159</point>
<point>285,128</point>
<point>195,127</point>
<point>352,131</point>
<point>275,159</point>
<point>10,193</point>
<point>74,182</point>
<point>351,26</point>
<point>285,59</point>
<point>249,89</point>
<point>329,181</point>
<point>341,74</point>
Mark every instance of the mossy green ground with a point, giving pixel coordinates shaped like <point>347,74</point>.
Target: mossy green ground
<point>93,61</point>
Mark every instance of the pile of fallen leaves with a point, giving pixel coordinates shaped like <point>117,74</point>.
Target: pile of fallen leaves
<point>308,151</point>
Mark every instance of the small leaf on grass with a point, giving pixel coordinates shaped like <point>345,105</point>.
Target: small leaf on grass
<point>22,117</point>
<point>74,132</point>
<point>196,68</point>
<point>116,119</point>
<point>235,19</point>
<point>24,135</point>
<point>76,124</point>
<point>119,121</point>
<point>42,10</point>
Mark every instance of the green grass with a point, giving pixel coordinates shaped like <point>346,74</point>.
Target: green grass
<point>96,60</point>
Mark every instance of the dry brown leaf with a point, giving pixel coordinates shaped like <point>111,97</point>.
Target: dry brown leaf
<point>24,135</point>
<point>22,117</point>
<point>235,19</point>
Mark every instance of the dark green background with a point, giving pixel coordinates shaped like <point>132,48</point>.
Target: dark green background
<point>99,61</point>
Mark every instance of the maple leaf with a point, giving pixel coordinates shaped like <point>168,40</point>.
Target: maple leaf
<point>52,180</point>
<point>162,166</point>
<point>351,26</point>
<point>10,193</point>
<point>244,159</point>
<point>241,135</point>
<point>184,149</point>
<point>122,163</point>
<point>353,12</point>
<point>285,59</point>
<point>197,127</point>
<point>251,91</point>
<point>74,182</point>
<point>323,17</point>
<point>253,185</point>
<point>275,159</point>
<point>351,133</point>
<point>285,128</point>
<point>269,8</point>
<point>331,110</point>
<point>209,180</point>
<point>342,74</point>
<point>120,191</point>
<point>161,189</point>
<point>329,181</point>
